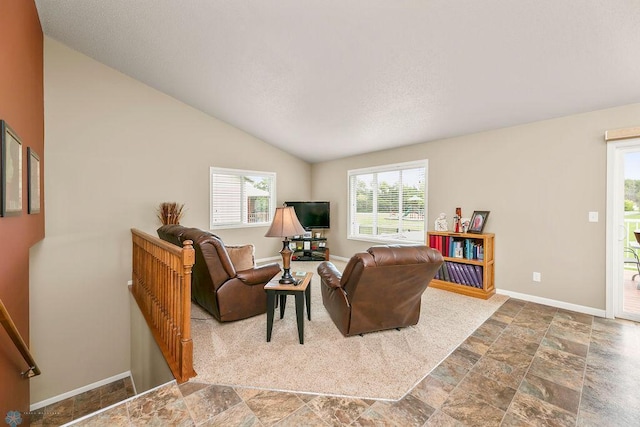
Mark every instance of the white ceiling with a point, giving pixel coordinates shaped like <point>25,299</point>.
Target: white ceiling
<point>324,79</point>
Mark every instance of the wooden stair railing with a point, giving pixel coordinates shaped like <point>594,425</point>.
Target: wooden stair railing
<point>15,336</point>
<point>161,286</point>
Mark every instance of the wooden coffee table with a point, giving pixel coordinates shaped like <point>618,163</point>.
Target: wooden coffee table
<point>301,291</point>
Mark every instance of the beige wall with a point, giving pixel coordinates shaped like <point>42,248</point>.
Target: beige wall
<point>115,149</point>
<point>539,181</point>
<point>149,368</point>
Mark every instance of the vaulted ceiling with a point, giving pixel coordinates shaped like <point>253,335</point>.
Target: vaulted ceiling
<point>324,79</point>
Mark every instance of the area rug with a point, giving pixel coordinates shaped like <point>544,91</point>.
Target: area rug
<point>380,365</point>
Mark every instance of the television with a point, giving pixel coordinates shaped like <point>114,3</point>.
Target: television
<point>312,214</point>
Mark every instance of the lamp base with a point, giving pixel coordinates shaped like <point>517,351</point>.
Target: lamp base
<point>287,278</point>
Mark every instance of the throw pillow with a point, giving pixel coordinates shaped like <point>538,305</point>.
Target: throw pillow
<point>241,256</point>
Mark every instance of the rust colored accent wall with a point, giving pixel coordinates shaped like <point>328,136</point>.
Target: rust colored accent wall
<point>22,107</point>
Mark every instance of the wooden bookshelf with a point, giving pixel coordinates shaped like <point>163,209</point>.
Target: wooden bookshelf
<point>464,270</point>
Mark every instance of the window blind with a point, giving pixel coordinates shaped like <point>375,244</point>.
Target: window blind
<point>388,203</point>
<point>241,198</point>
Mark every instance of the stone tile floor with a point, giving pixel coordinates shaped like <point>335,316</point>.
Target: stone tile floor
<point>83,404</point>
<point>527,365</point>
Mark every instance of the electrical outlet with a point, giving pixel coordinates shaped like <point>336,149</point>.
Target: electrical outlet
<point>593,216</point>
<point>537,277</point>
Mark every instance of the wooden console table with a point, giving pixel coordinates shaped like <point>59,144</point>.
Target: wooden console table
<point>301,291</point>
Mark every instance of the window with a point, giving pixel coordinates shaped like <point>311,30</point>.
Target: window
<point>241,198</point>
<point>388,203</point>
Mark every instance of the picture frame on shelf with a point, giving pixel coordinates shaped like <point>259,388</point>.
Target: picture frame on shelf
<point>33,176</point>
<point>478,221</point>
<point>10,171</point>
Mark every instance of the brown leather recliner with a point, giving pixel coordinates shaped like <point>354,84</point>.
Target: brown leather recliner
<point>379,289</point>
<point>224,280</point>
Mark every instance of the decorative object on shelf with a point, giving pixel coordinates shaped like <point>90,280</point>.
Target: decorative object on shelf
<point>465,224</point>
<point>10,171</point>
<point>285,224</point>
<point>170,212</point>
<point>457,227</point>
<point>33,176</point>
<point>441,222</point>
<point>478,221</point>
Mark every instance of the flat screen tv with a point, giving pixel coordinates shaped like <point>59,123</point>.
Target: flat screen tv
<point>312,214</point>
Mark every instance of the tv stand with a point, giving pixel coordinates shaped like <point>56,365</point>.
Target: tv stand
<point>309,249</point>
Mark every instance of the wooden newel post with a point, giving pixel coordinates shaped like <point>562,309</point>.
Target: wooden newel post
<point>186,344</point>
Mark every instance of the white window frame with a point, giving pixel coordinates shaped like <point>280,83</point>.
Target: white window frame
<point>243,221</point>
<point>353,228</point>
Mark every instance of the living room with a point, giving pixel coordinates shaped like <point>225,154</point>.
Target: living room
<point>115,148</point>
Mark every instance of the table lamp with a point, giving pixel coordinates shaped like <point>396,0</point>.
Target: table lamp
<point>285,224</point>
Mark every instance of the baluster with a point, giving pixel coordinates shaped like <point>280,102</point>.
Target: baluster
<point>162,288</point>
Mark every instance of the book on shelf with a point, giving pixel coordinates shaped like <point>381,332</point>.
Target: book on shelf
<point>468,248</point>
<point>456,247</point>
<point>468,274</point>
<point>468,277</point>
<point>457,251</point>
<point>461,274</point>
<point>452,274</point>
<point>462,279</point>
<point>472,275</point>
<point>477,270</point>
<point>449,272</point>
<point>445,272</point>
<point>458,271</point>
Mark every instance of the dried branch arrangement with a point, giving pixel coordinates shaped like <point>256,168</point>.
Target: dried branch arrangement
<point>170,212</point>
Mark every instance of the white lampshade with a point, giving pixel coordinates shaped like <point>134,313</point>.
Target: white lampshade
<point>285,223</point>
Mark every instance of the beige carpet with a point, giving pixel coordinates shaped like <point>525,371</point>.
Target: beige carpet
<point>381,365</point>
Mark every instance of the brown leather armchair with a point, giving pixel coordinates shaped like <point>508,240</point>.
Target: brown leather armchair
<point>224,280</point>
<point>379,289</point>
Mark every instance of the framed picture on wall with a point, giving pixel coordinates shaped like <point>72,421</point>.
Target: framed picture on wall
<point>10,171</point>
<point>33,174</point>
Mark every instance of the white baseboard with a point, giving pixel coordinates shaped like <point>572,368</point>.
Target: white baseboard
<point>554,303</point>
<point>80,390</point>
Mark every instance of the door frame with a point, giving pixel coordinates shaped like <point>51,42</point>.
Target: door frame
<point>616,147</point>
